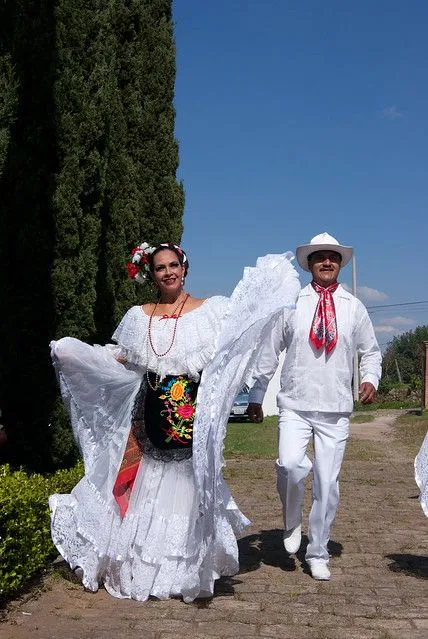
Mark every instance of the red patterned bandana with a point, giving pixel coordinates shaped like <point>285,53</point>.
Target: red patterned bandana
<point>324,327</point>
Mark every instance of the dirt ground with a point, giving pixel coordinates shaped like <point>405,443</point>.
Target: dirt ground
<point>379,565</point>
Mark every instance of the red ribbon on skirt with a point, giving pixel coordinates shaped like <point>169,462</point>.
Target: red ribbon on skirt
<point>127,473</point>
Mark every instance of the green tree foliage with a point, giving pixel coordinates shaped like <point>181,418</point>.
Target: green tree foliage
<point>115,103</point>
<point>406,351</point>
<point>90,171</point>
<point>8,103</point>
<point>143,199</point>
<point>82,94</point>
<point>27,387</point>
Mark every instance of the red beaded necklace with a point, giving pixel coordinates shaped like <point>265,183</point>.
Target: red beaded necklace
<point>173,316</point>
<point>150,341</point>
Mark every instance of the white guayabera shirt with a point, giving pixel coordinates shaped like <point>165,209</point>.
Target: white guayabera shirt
<point>311,380</point>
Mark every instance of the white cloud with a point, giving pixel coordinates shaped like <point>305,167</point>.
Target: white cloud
<point>395,325</point>
<point>384,328</point>
<point>391,113</point>
<point>399,320</point>
<point>370,294</point>
<point>367,294</point>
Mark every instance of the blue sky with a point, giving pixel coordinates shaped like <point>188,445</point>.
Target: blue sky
<point>297,117</point>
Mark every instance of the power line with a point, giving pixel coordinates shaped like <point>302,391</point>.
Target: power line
<point>369,308</point>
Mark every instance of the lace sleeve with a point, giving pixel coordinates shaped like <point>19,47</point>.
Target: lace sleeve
<point>98,393</point>
<point>130,334</point>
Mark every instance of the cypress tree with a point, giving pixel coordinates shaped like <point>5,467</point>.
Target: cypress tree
<point>85,58</point>
<point>29,163</point>
<point>144,201</point>
<point>83,92</point>
<point>8,103</point>
<point>89,166</point>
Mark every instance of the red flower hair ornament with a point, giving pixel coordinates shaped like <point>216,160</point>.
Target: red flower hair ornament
<point>138,266</point>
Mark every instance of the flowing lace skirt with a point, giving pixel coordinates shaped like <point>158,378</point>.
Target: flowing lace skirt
<point>158,548</point>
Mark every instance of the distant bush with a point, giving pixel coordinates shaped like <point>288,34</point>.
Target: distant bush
<point>25,541</point>
<point>387,385</point>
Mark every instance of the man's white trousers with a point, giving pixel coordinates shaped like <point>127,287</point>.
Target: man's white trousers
<point>330,432</point>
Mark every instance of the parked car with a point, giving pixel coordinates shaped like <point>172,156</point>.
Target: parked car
<point>239,409</point>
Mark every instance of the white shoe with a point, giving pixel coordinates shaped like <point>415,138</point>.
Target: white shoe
<point>292,539</point>
<point>319,569</point>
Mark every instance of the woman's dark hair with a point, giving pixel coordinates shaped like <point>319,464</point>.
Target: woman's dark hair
<point>167,246</point>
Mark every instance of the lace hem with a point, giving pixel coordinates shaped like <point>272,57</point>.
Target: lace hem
<point>158,549</point>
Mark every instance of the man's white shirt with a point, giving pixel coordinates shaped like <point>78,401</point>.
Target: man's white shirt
<point>311,380</point>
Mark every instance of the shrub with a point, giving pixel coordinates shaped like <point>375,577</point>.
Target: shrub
<point>386,385</point>
<point>25,541</point>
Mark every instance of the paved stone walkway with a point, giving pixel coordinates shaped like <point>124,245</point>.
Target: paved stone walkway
<point>379,586</point>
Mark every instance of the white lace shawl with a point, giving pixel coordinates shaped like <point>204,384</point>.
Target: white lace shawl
<point>264,292</point>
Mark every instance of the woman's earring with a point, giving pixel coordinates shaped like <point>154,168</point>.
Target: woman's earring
<point>182,281</point>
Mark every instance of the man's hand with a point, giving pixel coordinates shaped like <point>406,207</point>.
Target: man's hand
<point>367,393</point>
<point>255,412</point>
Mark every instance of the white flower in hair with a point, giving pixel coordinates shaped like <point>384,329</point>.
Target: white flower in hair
<point>137,257</point>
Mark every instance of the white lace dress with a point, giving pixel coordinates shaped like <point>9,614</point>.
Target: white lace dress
<point>178,534</point>
<point>421,474</point>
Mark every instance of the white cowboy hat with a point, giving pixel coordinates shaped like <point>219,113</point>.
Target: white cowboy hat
<point>322,242</point>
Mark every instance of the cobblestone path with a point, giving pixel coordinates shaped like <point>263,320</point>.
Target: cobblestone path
<point>379,585</point>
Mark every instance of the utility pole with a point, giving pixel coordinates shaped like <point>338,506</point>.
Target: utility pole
<point>356,383</point>
<point>400,379</point>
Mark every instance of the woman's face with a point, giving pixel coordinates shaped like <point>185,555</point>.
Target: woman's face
<point>167,272</point>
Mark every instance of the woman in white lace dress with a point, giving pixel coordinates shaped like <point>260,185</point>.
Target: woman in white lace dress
<point>152,515</point>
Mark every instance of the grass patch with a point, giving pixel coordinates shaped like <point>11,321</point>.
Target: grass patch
<point>362,450</point>
<point>411,430</point>
<point>259,441</point>
<point>384,405</point>
<point>362,418</point>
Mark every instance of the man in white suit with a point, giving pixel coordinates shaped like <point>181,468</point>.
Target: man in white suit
<point>315,399</point>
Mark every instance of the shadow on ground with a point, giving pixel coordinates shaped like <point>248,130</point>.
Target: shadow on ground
<point>413,565</point>
<point>267,548</point>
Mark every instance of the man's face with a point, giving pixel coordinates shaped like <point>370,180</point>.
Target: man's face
<point>325,267</point>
